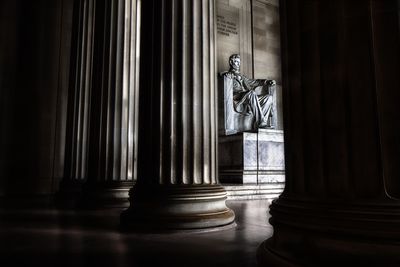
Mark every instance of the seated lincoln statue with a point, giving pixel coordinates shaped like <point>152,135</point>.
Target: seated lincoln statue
<point>246,100</point>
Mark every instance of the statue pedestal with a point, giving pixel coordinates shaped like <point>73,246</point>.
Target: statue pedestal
<point>252,158</point>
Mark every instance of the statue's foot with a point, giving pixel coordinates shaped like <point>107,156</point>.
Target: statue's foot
<point>263,124</point>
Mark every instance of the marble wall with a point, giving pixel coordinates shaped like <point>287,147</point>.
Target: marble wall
<point>234,34</point>
<point>267,48</point>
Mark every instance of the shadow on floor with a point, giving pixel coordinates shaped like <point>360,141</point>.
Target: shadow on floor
<point>91,238</point>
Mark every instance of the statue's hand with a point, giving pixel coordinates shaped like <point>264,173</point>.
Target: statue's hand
<point>228,75</point>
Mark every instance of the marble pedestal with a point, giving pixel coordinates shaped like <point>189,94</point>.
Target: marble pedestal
<point>252,158</point>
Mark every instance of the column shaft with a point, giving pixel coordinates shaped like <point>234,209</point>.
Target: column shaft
<point>103,100</point>
<point>179,102</point>
<point>341,116</point>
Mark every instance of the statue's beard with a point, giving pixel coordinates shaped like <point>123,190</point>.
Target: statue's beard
<point>235,69</point>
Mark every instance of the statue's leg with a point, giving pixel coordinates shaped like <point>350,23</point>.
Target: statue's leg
<point>266,105</point>
<point>256,108</point>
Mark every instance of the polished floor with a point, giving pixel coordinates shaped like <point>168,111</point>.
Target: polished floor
<point>91,238</point>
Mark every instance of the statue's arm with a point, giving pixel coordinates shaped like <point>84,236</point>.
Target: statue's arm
<point>251,84</point>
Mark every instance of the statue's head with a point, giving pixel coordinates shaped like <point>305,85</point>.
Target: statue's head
<point>234,62</point>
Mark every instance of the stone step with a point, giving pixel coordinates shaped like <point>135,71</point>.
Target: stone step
<point>253,191</point>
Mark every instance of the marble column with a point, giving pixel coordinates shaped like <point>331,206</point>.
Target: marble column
<point>340,206</point>
<point>177,185</point>
<point>102,109</point>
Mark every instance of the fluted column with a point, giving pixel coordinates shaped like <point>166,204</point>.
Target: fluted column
<point>101,138</point>
<point>177,184</point>
<point>341,202</point>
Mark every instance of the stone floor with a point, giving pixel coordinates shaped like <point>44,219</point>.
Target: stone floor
<point>91,238</point>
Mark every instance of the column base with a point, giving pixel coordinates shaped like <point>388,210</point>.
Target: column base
<point>69,194</point>
<point>113,194</point>
<point>266,256</point>
<point>308,233</point>
<point>176,207</point>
